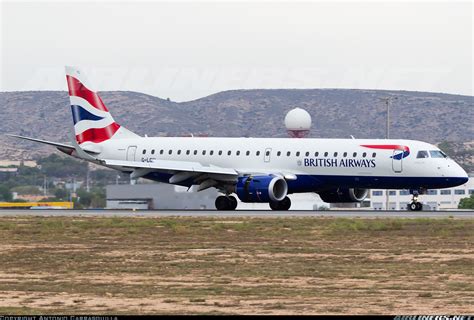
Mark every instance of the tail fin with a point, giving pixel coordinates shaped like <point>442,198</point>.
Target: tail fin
<point>92,120</point>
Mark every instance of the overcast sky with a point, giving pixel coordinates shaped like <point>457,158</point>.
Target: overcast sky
<point>185,51</point>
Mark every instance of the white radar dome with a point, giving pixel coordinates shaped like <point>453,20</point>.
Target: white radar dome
<point>298,122</point>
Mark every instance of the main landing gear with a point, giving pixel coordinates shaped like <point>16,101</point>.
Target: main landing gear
<point>226,203</point>
<point>282,205</point>
<point>415,205</point>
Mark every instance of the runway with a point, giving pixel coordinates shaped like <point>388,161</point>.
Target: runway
<point>457,214</point>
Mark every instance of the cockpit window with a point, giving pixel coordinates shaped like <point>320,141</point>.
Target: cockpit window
<point>437,154</point>
<point>422,154</point>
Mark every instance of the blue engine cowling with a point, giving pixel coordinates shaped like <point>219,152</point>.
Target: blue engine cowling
<point>344,195</point>
<point>261,189</point>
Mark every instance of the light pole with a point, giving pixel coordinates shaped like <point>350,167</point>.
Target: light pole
<point>388,101</point>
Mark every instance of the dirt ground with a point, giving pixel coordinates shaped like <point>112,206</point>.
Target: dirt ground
<point>236,266</point>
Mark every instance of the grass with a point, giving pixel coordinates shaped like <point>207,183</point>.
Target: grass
<point>270,265</point>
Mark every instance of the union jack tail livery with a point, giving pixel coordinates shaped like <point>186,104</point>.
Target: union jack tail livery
<point>93,122</point>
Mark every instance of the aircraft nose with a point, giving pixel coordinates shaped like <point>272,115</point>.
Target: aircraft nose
<point>461,175</point>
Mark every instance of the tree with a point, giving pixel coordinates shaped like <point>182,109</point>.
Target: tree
<point>467,203</point>
<point>60,194</point>
<point>5,194</point>
<point>61,167</point>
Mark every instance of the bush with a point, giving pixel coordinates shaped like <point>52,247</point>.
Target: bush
<point>467,203</point>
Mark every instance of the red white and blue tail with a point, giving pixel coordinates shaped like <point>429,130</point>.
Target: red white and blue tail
<point>92,120</point>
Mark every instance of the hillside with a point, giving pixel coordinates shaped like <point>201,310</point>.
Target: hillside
<point>336,113</point>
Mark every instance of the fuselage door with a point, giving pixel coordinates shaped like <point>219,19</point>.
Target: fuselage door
<point>397,160</point>
<point>268,152</point>
<point>131,153</point>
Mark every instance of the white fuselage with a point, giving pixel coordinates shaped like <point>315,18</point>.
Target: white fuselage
<point>345,162</point>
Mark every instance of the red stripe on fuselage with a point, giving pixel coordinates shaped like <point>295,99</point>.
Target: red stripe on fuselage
<point>98,135</point>
<point>386,146</point>
<point>77,89</point>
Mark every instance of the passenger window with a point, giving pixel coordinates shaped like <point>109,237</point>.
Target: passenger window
<point>288,153</point>
<point>229,153</point>
<point>374,155</point>
<point>344,154</point>
<point>203,152</point>
<point>195,152</point>
<point>364,154</point>
<point>307,154</point>
<point>161,151</point>
<point>354,154</point>
<point>267,153</point>
<point>326,154</point>
<point>153,151</point>
<point>170,152</point>
<point>422,154</point>
<point>220,152</point>
<point>211,152</point>
<point>179,151</point>
<point>187,152</point>
<point>247,153</point>
<point>298,154</point>
<point>316,154</point>
<point>258,153</point>
<point>238,153</point>
<point>144,151</point>
<point>278,153</point>
<point>335,154</point>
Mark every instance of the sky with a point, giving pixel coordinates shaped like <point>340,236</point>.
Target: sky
<point>187,50</point>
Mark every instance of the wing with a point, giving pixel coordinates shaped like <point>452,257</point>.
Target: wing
<point>206,176</point>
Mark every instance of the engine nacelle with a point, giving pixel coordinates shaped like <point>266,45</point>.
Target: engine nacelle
<point>261,189</point>
<point>344,195</point>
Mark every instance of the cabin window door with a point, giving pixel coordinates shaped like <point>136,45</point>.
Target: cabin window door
<point>397,160</point>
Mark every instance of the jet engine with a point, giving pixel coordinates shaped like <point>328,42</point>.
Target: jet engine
<point>261,189</point>
<point>344,195</point>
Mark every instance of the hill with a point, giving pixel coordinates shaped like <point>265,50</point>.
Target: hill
<point>336,113</point>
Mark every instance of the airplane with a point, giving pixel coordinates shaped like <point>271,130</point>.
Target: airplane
<point>262,170</point>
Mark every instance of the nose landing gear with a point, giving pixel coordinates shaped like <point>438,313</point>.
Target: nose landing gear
<point>415,205</point>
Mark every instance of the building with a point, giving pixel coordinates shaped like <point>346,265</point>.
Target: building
<point>435,199</point>
<point>164,196</point>
<point>158,196</point>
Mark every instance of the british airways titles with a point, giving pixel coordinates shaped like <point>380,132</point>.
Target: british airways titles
<point>354,163</point>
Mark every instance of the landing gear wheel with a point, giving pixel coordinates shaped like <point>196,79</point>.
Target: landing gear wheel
<point>419,206</point>
<point>285,204</point>
<point>415,206</point>
<point>226,203</point>
<point>232,202</point>
<point>282,205</point>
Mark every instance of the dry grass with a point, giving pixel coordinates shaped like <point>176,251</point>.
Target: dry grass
<point>238,265</point>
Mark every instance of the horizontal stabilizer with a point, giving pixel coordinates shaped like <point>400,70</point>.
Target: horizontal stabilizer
<point>61,146</point>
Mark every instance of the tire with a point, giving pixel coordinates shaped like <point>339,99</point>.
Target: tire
<point>419,206</point>
<point>222,203</point>
<point>274,205</point>
<point>232,203</point>
<point>282,205</point>
<point>285,204</point>
<point>413,206</point>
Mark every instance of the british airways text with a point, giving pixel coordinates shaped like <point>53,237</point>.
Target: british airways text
<point>358,163</point>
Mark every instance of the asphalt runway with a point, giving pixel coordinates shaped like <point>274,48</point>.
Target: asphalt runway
<point>239,213</point>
